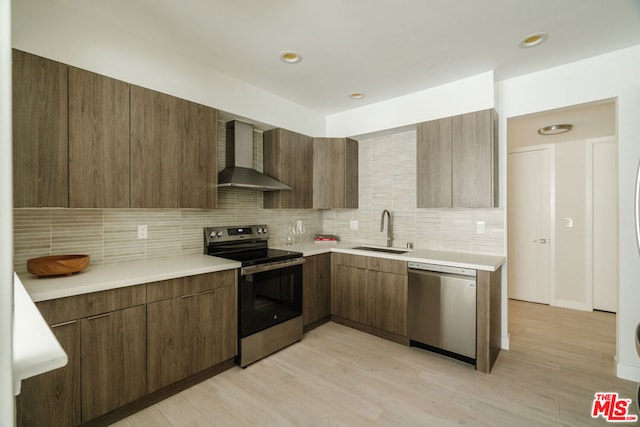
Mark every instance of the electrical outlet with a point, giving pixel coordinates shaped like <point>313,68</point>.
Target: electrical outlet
<point>354,224</point>
<point>299,223</point>
<point>142,231</point>
<point>480,227</point>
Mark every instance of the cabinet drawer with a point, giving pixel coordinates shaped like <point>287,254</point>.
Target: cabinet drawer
<point>79,306</point>
<point>349,260</point>
<point>166,289</point>
<point>387,265</point>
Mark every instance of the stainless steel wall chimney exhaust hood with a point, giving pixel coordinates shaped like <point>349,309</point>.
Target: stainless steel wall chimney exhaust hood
<point>239,170</point>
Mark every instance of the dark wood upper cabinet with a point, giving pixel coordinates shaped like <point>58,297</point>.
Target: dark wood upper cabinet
<point>98,141</point>
<point>40,132</point>
<point>335,173</point>
<point>474,160</point>
<point>288,157</point>
<point>173,152</point>
<point>457,161</point>
<point>198,176</point>
<point>434,164</point>
<point>154,149</point>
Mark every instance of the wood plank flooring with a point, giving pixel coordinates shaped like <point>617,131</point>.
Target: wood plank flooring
<point>558,360</point>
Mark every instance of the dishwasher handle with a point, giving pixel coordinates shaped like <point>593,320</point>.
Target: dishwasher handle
<point>461,271</point>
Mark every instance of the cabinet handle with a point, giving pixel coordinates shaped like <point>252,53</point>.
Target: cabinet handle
<point>210,291</point>
<point>64,323</point>
<point>99,316</point>
<point>188,296</point>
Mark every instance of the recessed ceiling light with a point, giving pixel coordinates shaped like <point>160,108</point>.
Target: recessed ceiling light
<point>290,57</point>
<point>555,129</point>
<point>533,40</point>
<point>356,95</point>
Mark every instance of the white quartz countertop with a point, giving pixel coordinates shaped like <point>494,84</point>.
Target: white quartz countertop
<point>102,277</point>
<point>35,349</point>
<point>450,259</point>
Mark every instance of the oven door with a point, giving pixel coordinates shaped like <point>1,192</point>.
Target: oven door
<point>269,295</point>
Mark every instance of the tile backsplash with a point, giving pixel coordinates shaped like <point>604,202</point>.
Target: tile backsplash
<point>387,169</point>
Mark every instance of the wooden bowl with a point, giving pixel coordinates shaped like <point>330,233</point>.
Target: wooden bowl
<point>57,265</point>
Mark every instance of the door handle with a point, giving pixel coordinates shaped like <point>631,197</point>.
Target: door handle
<point>542,241</point>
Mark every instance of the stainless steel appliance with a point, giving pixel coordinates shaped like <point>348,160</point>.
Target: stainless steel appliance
<point>441,311</point>
<point>269,289</point>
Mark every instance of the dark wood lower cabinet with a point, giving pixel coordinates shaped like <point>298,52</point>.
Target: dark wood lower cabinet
<point>316,302</point>
<point>114,358</point>
<point>387,301</point>
<point>190,333</point>
<point>349,293</point>
<point>371,293</point>
<point>53,398</point>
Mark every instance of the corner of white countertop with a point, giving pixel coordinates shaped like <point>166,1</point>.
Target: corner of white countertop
<point>101,277</point>
<point>474,261</point>
<point>35,349</point>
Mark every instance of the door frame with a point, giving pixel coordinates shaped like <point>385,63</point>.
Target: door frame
<point>589,145</point>
<point>552,211</point>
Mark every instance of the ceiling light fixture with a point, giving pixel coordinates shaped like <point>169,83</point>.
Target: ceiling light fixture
<point>555,129</point>
<point>533,40</point>
<point>356,95</point>
<point>290,57</point>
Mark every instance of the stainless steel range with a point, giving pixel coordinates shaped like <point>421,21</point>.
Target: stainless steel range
<point>269,289</point>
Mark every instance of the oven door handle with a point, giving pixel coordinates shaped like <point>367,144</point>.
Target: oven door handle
<point>245,271</point>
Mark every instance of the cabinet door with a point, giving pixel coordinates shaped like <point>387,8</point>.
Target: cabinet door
<point>155,141</point>
<point>198,168</point>
<point>335,173</point>
<point>190,333</point>
<point>288,157</point>
<point>349,293</point>
<point>53,398</point>
<point>434,164</point>
<point>40,132</point>
<point>113,360</point>
<point>98,141</point>
<point>387,301</point>
<point>316,302</point>
<point>474,160</point>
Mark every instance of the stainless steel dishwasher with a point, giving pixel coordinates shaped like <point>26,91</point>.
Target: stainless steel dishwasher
<point>441,311</point>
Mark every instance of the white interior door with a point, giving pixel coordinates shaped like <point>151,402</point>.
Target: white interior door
<point>528,222</point>
<point>605,225</point>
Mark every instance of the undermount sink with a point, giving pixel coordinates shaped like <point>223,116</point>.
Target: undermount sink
<point>382,249</point>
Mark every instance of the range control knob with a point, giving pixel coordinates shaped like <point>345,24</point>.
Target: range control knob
<point>260,230</point>
<point>264,230</point>
<point>219,234</point>
<point>212,235</point>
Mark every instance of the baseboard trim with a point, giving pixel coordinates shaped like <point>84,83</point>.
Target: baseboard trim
<point>505,341</point>
<point>628,372</point>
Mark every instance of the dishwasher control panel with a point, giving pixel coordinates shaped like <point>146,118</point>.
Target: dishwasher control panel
<point>442,269</point>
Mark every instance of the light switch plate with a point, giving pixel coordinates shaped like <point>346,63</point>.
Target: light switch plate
<point>480,228</point>
<point>568,222</point>
<point>354,224</point>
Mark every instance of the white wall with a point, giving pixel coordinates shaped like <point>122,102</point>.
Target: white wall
<point>462,96</point>
<point>111,52</point>
<point>606,76</point>
<point>6,239</point>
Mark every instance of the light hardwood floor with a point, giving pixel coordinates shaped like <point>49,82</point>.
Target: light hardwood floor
<point>558,360</point>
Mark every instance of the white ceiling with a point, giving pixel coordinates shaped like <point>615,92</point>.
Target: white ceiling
<point>384,48</point>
